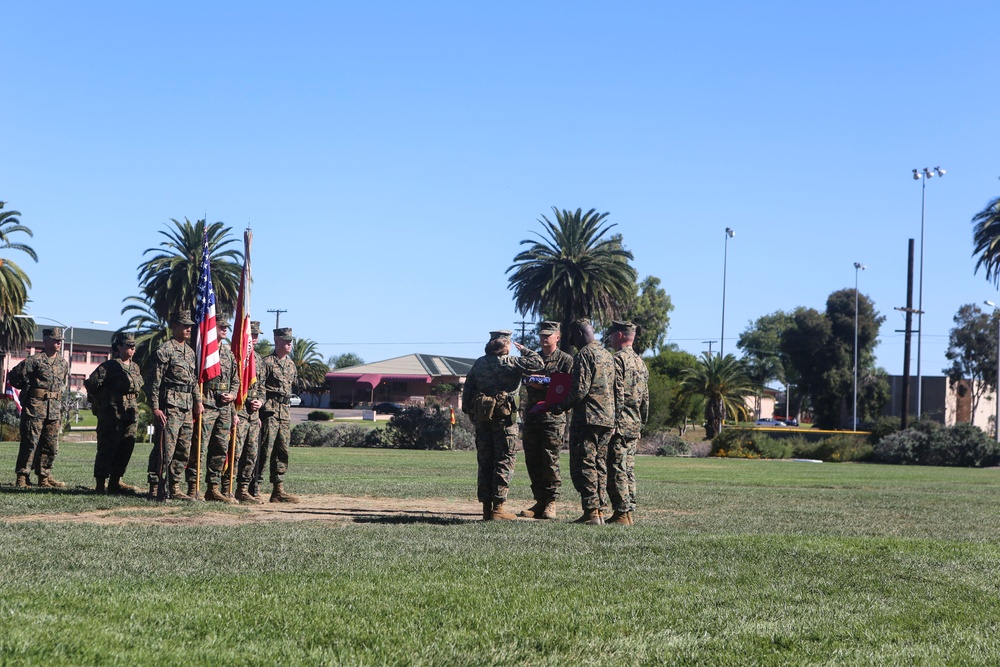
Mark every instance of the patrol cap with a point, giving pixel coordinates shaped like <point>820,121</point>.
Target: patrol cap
<point>500,333</point>
<point>222,323</point>
<point>124,338</point>
<point>623,327</point>
<point>548,327</point>
<point>182,317</point>
<point>254,328</point>
<point>284,333</point>
<point>55,333</point>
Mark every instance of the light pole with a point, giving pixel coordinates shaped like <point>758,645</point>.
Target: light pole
<point>923,177</point>
<point>72,331</point>
<point>858,266</point>
<point>725,259</point>
<point>996,390</point>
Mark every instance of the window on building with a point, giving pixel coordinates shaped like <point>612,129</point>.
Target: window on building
<point>20,354</point>
<point>98,357</point>
<point>76,382</point>
<point>79,357</point>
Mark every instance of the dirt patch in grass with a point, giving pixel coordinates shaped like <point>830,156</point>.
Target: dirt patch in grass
<point>327,508</point>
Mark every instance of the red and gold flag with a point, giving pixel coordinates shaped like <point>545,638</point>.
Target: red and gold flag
<point>242,341</point>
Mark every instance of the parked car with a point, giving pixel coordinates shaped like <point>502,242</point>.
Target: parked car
<point>340,405</point>
<point>388,408</point>
<point>770,422</point>
<point>294,401</point>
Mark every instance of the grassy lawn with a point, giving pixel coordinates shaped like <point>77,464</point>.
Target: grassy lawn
<point>733,562</point>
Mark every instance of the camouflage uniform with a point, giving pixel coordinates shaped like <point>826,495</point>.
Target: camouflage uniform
<point>172,388</point>
<point>113,389</point>
<point>631,412</point>
<point>276,377</point>
<point>216,420</point>
<point>41,380</point>
<point>593,402</point>
<point>248,430</point>
<point>496,377</point>
<point>544,433</point>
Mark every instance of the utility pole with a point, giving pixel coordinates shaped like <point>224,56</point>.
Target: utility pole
<point>277,317</point>
<point>909,310</point>
<point>523,325</point>
<point>709,343</point>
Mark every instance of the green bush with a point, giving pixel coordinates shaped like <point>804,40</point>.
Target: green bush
<point>430,428</point>
<point>665,443</point>
<point>749,443</point>
<point>843,447</point>
<point>319,416</point>
<point>314,434</point>
<point>929,443</point>
<point>882,427</point>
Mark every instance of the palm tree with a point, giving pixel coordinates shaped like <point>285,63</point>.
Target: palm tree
<point>14,282</point>
<point>986,238</point>
<point>150,330</point>
<point>15,333</point>
<point>723,383</point>
<point>574,271</point>
<point>170,278</point>
<point>309,363</point>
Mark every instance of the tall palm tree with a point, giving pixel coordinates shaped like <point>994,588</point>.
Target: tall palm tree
<point>170,277</point>
<point>14,282</point>
<point>309,363</point>
<point>577,270</point>
<point>986,238</point>
<point>723,383</point>
<point>150,329</point>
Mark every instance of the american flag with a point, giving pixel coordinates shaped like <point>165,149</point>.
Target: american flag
<point>13,394</point>
<point>207,347</point>
<point>242,341</point>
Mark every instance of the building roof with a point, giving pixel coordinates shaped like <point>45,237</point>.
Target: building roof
<point>408,368</point>
<point>81,336</point>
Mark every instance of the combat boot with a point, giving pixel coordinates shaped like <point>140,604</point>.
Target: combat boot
<point>532,512</point>
<point>279,495</point>
<point>501,513</point>
<point>591,517</point>
<point>619,518</point>
<point>215,495</point>
<point>487,511</point>
<point>549,512</point>
<point>631,518</point>
<point>101,486</point>
<point>176,493</point>
<point>22,482</point>
<point>116,485</point>
<point>243,495</point>
<point>49,482</point>
<point>153,490</point>
<point>226,487</point>
<point>193,489</point>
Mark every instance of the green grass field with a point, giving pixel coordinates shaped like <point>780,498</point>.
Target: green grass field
<point>733,562</point>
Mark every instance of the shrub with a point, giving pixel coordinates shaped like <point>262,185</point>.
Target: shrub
<point>664,443</point>
<point>882,427</point>
<point>429,428</point>
<point>841,447</point>
<point>319,416</point>
<point>314,434</point>
<point>929,443</point>
<point>748,443</point>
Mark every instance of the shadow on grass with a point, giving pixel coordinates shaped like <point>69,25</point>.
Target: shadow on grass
<point>35,490</point>
<point>370,515</point>
<point>433,520</point>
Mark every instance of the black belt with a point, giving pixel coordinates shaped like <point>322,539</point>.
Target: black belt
<point>179,387</point>
<point>277,396</point>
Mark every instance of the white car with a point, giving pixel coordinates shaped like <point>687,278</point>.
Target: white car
<point>770,422</point>
<point>295,401</point>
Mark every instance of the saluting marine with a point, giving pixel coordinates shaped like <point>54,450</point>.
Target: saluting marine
<point>489,398</point>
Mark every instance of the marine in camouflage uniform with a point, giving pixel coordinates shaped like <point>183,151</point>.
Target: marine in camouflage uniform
<point>41,378</point>
<point>248,431</point>
<point>277,376</point>
<point>175,398</point>
<point>631,412</point>
<point>113,390</point>
<point>489,398</point>
<point>593,402</point>
<point>216,423</point>
<point>544,432</point>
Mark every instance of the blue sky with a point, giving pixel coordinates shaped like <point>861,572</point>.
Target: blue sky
<point>391,156</point>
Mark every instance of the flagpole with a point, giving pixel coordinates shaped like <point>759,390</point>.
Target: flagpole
<point>197,451</point>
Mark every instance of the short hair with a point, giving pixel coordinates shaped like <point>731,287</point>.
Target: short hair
<point>497,346</point>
